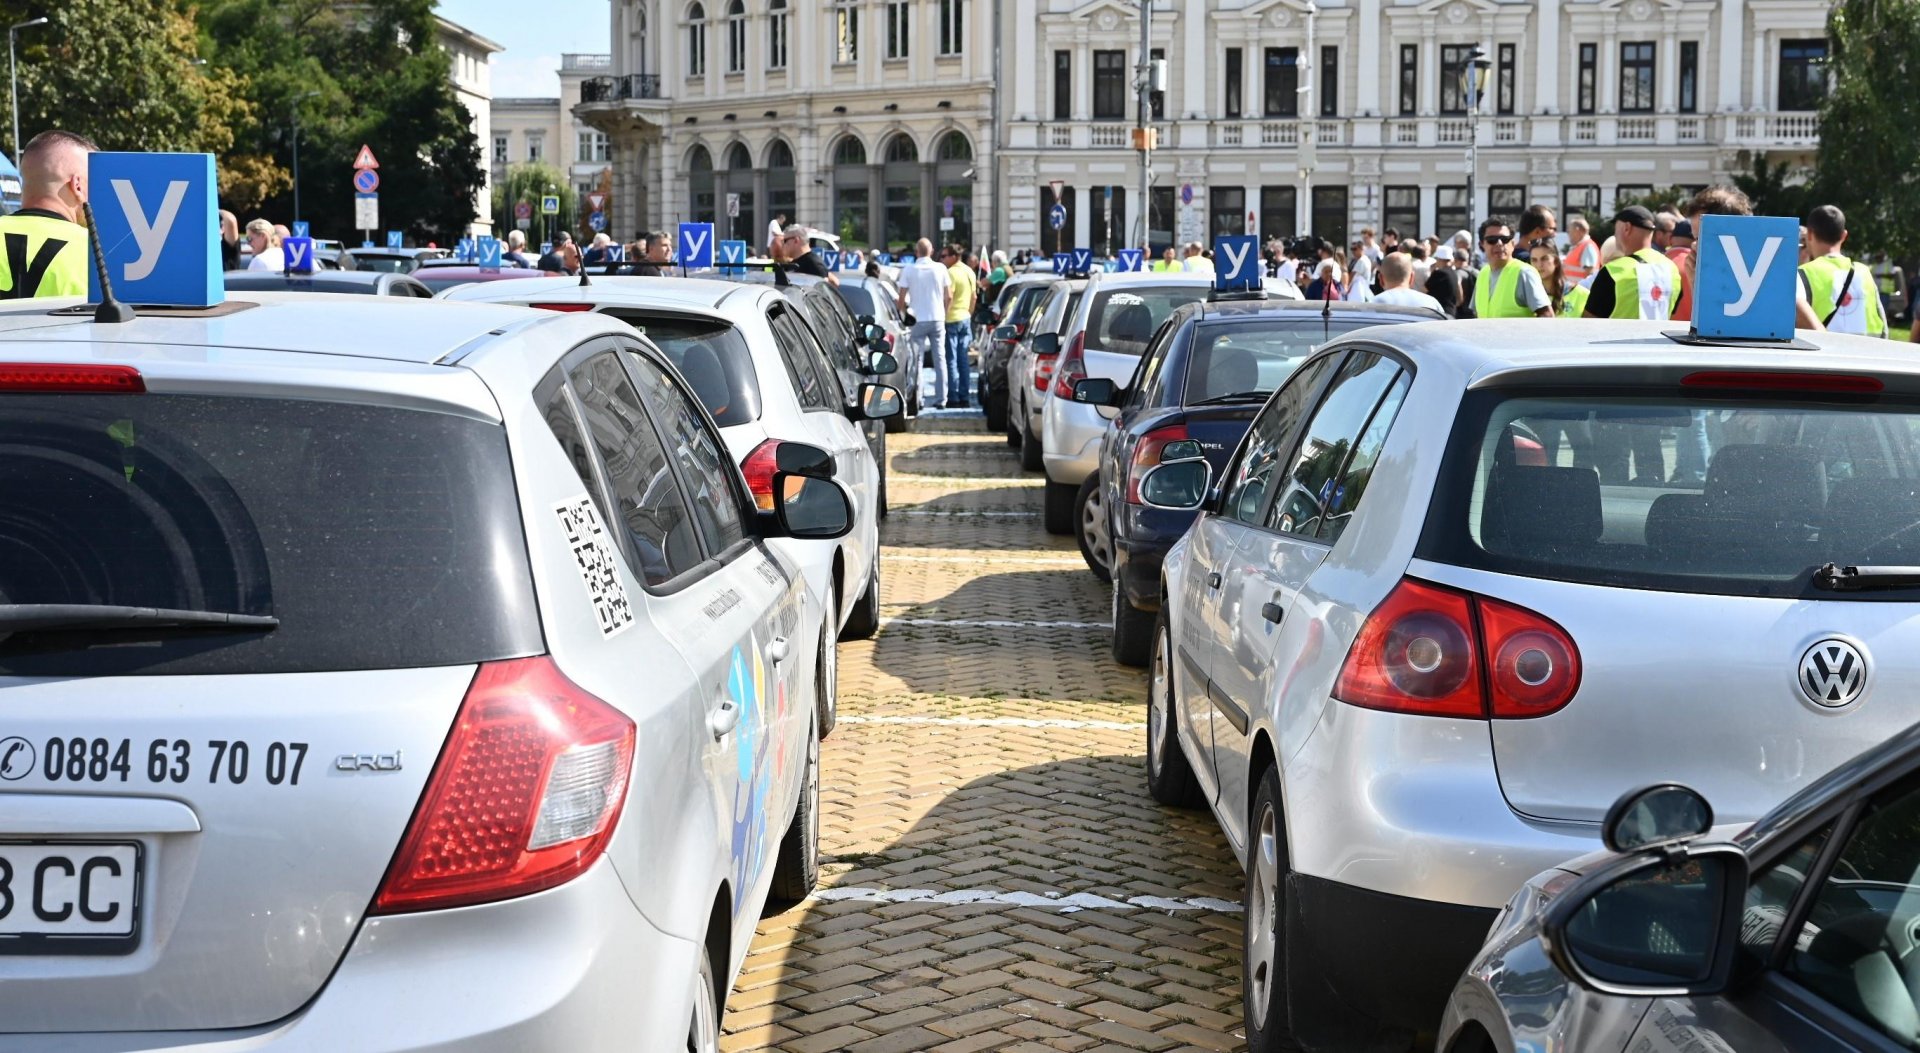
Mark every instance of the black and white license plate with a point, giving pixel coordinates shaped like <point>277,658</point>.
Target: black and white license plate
<point>63,897</point>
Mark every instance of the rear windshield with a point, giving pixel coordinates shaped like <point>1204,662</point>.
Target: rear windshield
<point>1123,320</point>
<point>380,538</point>
<point>386,264</point>
<point>1740,498</point>
<point>712,355</point>
<point>1253,356</point>
<point>857,299</point>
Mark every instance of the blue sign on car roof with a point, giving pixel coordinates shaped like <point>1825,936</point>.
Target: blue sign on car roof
<point>1744,270</point>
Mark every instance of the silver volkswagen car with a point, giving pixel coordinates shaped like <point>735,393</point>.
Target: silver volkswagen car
<point>1465,583</point>
<point>388,676</point>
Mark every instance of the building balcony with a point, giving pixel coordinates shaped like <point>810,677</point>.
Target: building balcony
<point>622,105</point>
<point>573,61</point>
<point>1097,135</point>
<point>1272,132</point>
<point>1770,130</point>
<point>620,89</point>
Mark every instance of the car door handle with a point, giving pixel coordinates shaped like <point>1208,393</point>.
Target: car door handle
<point>723,719</point>
<point>1271,611</point>
<point>1213,580</point>
<point>777,650</point>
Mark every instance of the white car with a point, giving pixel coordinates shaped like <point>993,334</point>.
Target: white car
<point>756,365</point>
<point>389,677</point>
<point>1030,366</point>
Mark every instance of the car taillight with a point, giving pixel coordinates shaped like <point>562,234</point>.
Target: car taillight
<point>84,379</point>
<point>1146,454</point>
<point>524,797</point>
<point>1072,368</point>
<point>1830,383</point>
<point>759,468</point>
<point>567,308</point>
<point>1043,370</point>
<point>1440,652</point>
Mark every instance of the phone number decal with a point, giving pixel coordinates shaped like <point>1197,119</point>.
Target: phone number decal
<point>81,759</point>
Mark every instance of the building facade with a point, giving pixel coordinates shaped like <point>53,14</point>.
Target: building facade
<point>470,65</point>
<point>1277,116</point>
<point>544,129</point>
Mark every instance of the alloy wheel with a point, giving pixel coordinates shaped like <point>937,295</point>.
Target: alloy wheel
<point>1159,700</point>
<point>1095,528</point>
<point>1263,907</point>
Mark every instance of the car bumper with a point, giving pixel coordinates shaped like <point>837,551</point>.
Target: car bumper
<point>1342,929</point>
<point>1070,440</point>
<point>1136,566</point>
<point>574,968</point>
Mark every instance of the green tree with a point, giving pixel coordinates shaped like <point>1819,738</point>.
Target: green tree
<point>1777,189</point>
<point>529,182</point>
<point>1869,154</point>
<point>1670,199</point>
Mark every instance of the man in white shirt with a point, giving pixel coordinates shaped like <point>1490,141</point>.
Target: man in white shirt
<point>266,247</point>
<point>1396,284</point>
<point>927,292</point>
<point>775,230</point>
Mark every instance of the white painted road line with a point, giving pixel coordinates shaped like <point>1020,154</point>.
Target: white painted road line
<point>997,722</point>
<point>990,623</point>
<point>1066,904</point>
<point>984,560</point>
<point>923,479</point>
<point>953,513</point>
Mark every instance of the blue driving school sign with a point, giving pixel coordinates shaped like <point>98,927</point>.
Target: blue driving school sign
<point>1083,261</point>
<point>1744,272</point>
<point>696,245</point>
<point>733,257</point>
<point>1236,262</point>
<point>159,228</point>
<point>1062,262</point>
<point>298,253</point>
<point>1132,260</point>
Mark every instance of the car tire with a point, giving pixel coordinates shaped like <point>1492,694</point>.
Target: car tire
<point>1061,499</point>
<point>994,405</point>
<point>1264,996</point>
<point>1169,777</point>
<point>826,684</point>
<point>1013,431</point>
<point>881,499</point>
<point>703,1029</point>
<point>864,620</point>
<point>1030,451</point>
<point>797,867</point>
<point>1133,630</point>
<point>1094,530</point>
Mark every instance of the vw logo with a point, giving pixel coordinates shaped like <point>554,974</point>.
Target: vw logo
<point>16,758</point>
<point>1833,673</point>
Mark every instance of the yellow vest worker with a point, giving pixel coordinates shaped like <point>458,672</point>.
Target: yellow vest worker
<point>1516,293</point>
<point>1858,310</point>
<point>41,254</point>
<point>1642,285</point>
<point>1574,303</point>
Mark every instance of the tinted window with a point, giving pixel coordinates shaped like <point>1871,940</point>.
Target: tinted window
<point>802,357</point>
<point>1328,441</point>
<point>646,495</point>
<point>1252,477</point>
<point>712,355</point>
<point>380,537</point>
<point>1771,891</point>
<point>1122,320</point>
<point>383,264</point>
<point>857,299</point>
<point>704,466</point>
<point>1352,485</point>
<point>1253,356</point>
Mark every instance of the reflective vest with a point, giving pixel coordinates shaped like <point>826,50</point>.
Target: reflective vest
<point>1643,286</point>
<point>42,256</point>
<point>1574,302</point>
<point>1163,266</point>
<point>1502,302</point>
<point>1581,260</point>
<point>1858,311</point>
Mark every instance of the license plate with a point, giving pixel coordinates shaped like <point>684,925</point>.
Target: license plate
<point>61,897</point>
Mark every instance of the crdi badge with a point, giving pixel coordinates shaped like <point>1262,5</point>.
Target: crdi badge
<point>159,228</point>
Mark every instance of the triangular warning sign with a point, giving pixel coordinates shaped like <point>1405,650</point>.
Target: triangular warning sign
<point>365,160</point>
<point>596,200</point>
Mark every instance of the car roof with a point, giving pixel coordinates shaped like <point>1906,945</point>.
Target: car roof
<point>472,272</point>
<point>277,280</point>
<point>1243,310</point>
<point>719,298</point>
<point>1124,278</point>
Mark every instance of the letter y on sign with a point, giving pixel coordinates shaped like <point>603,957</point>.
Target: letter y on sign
<point>149,234</point>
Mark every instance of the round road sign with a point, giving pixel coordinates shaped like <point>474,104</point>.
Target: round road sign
<point>1057,216</point>
<point>366,180</point>
<point>523,211</point>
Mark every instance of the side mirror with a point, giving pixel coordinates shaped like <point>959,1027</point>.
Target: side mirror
<point>1654,817</point>
<point>808,507</point>
<point>1652,925</point>
<point>875,333</point>
<point>1182,450</point>
<point>1177,485</point>
<point>1046,344</point>
<point>1097,391</point>
<point>880,401</point>
<point>882,363</point>
<point>1007,333</point>
<point>864,319</point>
<point>799,458</point>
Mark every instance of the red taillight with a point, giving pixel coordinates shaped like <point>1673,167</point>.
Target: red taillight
<point>1439,652</point>
<point>524,796</point>
<point>1072,368</point>
<point>1043,370</point>
<point>82,379</point>
<point>759,468</point>
<point>1840,383</point>
<point>1146,454</point>
<point>565,308</point>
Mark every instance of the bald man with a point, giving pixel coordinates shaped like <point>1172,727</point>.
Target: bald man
<point>43,247</point>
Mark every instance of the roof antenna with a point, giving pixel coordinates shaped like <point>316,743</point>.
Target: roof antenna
<point>584,283</point>
<point>110,309</point>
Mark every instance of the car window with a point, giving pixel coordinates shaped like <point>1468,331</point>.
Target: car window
<point>647,497</point>
<point>1857,946</point>
<point>1121,321</point>
<point>799,355</point>
<point>857,298</point>
<point>712,354</point>
<point>1239,357</point>
<point>1144,388</point>
<point>1328,441</point>
<point>815,339</point>
<point>1252,477</point>
<point>1352,484</point>
<point>704,467</point>
<point>1771,892</point>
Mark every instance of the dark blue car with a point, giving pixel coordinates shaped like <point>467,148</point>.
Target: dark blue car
<point>1206,372</point>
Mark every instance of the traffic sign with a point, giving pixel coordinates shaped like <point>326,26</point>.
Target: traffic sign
<point>302,229</point>
<point>1745,275</point>
<point>1057,216</point>
<point>490,253</point>
<point>1236,261</point>
<point>946,223</point>
<point>1186,193</point>
<point>366,180</point>
<point>597,220</point>
<point>1082,261</point>
<point>365,158</point>
<point>1132,260</point>
<point>733,206</point>
<point>156,228</point>
<point>733,257</point>
<point>946,205</point>
<point>297,251</point>
<point>523,211</point>
<point>550,205</point>
<point>396,239</point>
<point>1059,187</point>
<point>595,200</point>
<point>696,245</point>
<point>366,211</point>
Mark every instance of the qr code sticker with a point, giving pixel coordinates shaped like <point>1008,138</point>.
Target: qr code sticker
<point>593,554</point>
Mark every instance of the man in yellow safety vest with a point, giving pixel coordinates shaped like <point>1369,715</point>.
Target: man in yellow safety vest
<point>1841,292</point>
<point>1642,282</point>
<point>1506,288</point>
<point>43,247</point>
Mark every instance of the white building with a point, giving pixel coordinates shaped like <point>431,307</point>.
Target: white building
<point>545,129</point>
<point>470,67</point>
<point>1278,115</point>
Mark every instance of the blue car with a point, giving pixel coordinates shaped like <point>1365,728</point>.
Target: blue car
<point>1205,373</point>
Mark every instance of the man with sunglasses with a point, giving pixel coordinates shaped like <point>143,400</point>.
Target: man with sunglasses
<point>1505,287</point>
<point>794,251</point>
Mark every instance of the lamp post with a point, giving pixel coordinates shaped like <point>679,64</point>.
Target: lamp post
<point>1143,81</point>
<point>13,74</point>
<point>296,149</point>
<point>1474,76</point>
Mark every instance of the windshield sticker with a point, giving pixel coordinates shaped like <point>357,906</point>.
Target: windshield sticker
<point>593,555</point>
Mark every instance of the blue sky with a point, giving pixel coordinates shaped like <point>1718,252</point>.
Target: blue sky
<point>534,34</point>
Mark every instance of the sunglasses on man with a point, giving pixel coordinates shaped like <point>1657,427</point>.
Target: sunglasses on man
<point>1497,239</point>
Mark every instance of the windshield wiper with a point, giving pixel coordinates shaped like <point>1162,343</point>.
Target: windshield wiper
<point>1857,579</point>
<point>1236,396</point>
<point>44,617</point>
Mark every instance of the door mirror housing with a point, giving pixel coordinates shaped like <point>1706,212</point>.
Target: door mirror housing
<point>1654,924</point>
<point>865,319</point>
<point>880,401</point>
<point>882,363</point>
<point>874,332</point>
<point>1046,344</point>
<point>1655,816</point>
<point>799,458</point>
<point>809,507</point>
<point>1178,485</point>
<point>1006,333</point>
<point>1096,391</point>
<point>1182,450</point>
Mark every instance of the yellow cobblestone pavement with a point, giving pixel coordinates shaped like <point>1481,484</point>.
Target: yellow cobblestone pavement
<point>994,875</point>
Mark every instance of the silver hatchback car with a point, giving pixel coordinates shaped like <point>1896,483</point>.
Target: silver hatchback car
<point>1464,583</point>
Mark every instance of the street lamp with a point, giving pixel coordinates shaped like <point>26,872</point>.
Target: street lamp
<point>296,149</point>
<point>13,73</point>
<point>1473,81</point>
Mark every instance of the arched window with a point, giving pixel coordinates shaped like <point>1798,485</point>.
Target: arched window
<point>849,151</point>
<point>736,37</point>
<point>954,147</point>
<point>900,149</point>
<point>779,155</point>
<point>953,177</point>
<point>700,184</point>
<point>696,40</point>
<point>777,34</point>
<point>900,181</point>
<point>852,205</point>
